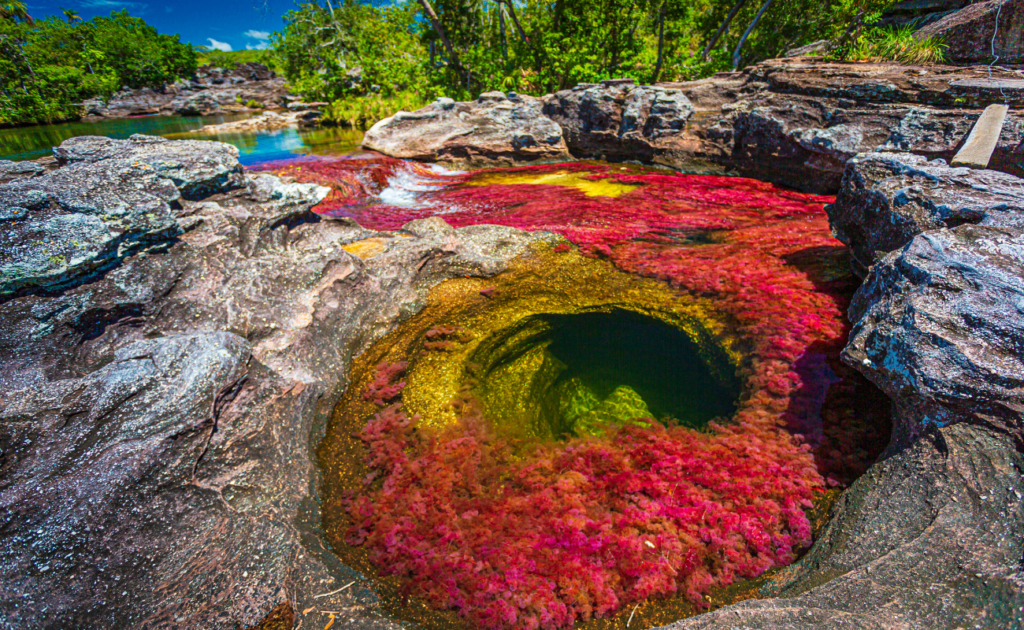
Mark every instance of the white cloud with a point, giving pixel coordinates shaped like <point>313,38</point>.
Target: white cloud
<point>104,5</point>
<point>219,45</point>
<point>264,35</point>
<point>259,46</point>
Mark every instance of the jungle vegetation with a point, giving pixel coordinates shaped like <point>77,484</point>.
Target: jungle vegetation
<point>49,66</point>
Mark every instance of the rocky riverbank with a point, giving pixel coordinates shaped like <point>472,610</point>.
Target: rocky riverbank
<point>175,333</point>
<point>211,91</point>
<point>794,121</point>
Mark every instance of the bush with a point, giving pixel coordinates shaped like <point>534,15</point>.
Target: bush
<point>900,45</point>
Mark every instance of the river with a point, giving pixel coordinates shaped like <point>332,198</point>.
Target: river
<point>29,143</point>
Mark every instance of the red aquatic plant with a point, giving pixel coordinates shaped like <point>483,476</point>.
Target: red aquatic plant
<point>567,531</point>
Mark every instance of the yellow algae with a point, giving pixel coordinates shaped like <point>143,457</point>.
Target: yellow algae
<point>604,187</point>
<point>366,248</point>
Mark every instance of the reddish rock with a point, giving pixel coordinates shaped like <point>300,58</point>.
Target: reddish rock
<point>969,32</point>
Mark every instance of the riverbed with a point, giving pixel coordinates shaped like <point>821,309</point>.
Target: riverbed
<point>30,143</point>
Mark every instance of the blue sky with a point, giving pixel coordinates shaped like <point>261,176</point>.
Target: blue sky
<point>238,24</point>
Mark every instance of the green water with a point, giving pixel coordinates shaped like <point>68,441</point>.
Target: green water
<point>579,374</point>
<point>29,143</point>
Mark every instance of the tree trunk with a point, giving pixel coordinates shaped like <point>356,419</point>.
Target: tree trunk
<point>453,57</point>
<point>723,28</point>
<point>515,20</point>
<point>746,34</point>
<point>501,31</point>
<point>661,44</point>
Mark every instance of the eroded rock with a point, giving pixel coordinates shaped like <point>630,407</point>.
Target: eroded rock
<point>157,420</point>
<point>495,128</point>
<point>887,199</point>
<point>982,32</point>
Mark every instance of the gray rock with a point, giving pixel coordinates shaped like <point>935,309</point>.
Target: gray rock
<point>929,537</point>
<point>886,199</point>
<point>197,167</point>
<point>65,225</point>
<point>492,129</point>
<point>938,327</point>
<point>618,120</point>
<point>10,171</point>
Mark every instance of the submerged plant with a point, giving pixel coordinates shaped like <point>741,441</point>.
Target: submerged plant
<point>527,534</point>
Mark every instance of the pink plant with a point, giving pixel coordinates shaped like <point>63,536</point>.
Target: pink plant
<point>529,535</point>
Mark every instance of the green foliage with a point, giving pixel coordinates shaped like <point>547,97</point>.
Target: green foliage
<point>363,111</point>
<point>48,66</point>
<point>336,52</point>
<point>892,45</point>
<point>228,60</point>
<point>352,49</point>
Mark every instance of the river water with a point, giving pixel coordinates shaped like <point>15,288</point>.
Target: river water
<point>29,143</point>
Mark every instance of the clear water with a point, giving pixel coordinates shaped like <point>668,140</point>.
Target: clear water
<point>29,143</point>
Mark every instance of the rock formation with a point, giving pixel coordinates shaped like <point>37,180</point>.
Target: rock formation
<point>166,373</point>
<point>789,121</point>
<point>985,32</point>
<point>211,91</point>
<point>494,128</point>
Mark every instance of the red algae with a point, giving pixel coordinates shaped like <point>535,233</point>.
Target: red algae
<point>516,535</point>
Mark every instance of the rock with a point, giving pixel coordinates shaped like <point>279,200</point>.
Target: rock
<point>158,422</point>
<point>814,48</point>
<point>986,32</point>
<point>887,199</point>
<point>940,520</point>
<point>202,104</point>
<point>196,167</point>
<point>80,219</point>
<point>489,130</point>
<point>937,326</point>
<point>268,121</point>
<point>10,171</point>
<point>618,120</point>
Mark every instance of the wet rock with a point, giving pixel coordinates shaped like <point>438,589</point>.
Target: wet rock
<point>985,32</point>
<point>887,199</point>
<point>938,327</point>
<point>198,168</point>
<point>157,422</point>
<point>494,128</point>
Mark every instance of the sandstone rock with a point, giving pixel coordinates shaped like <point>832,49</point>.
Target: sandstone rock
<point>619,121</point>
<point>494,128</point>
<point>157,423</point>
<point>887,199</point>
<point>938,521</point>
<point>198,168</point>
<point>202,104</point>
<point>986,32</point>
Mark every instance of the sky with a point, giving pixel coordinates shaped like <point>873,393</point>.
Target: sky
<point>221,24</point>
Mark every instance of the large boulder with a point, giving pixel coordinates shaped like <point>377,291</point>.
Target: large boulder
<point>197,168</point>
<point>618,120</point>
<point>986,32</point>
<point>887,199</point>
<point>938,327</point>
<point>495,128</point>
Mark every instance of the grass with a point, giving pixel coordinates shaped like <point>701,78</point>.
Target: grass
<point>364,111</point>
<point>900,45</point>
<point>229,60</point>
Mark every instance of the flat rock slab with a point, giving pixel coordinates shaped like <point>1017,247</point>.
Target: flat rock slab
<point>977,150</point>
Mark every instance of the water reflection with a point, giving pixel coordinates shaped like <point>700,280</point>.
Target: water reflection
<point>29,143</point>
